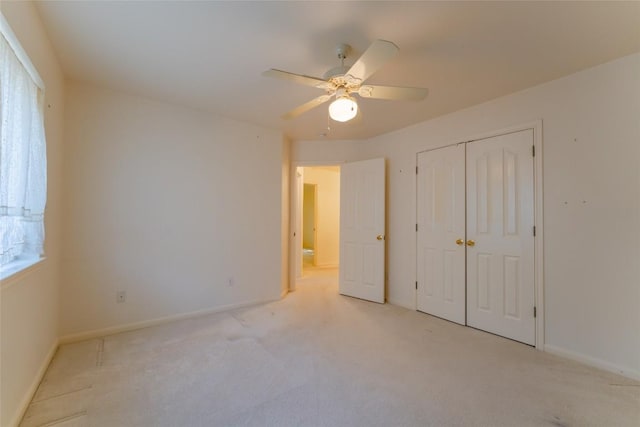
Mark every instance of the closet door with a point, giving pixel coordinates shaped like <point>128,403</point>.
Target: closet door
<point>500,243</point>
<point>441,233</point>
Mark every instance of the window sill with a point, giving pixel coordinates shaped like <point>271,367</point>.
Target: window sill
<point>13,271</point>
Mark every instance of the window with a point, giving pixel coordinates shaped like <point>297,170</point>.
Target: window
<point>23,167</point>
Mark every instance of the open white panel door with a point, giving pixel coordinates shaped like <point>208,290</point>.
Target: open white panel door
<point>500,242</point>
<point>441,233</point>
<point>362,225</point>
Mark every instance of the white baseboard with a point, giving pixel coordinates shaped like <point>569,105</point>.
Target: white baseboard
<point>400,304</point>
<point>97,333</point>
<point>592,361</point>
<point>559,351</point>
<point>326,266</point>
<point>31,391</point>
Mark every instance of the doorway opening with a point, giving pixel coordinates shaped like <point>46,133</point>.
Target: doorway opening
<point>349,240</point>
<point>316,205</point>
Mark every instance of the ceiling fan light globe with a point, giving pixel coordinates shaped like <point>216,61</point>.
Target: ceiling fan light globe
<point>343,109</point>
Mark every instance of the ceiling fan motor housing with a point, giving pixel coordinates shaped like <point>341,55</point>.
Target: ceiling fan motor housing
<point>335,72</point>
<point>343,50</point>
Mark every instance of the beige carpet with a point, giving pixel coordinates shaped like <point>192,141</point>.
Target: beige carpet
<point>320,359</point>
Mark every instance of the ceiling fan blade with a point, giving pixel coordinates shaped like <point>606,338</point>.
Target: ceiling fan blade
<point>372,59</point>
<point>392,92</point>
<point>297,78</point>
<point>306,107</point>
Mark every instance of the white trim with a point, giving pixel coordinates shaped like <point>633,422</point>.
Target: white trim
<point>536,126</point>
<point>538,220</point>
<point>593,362</point>
<point>31,391</point>
<point>16,270</point>
<point>400,304</point>
<point>316,163</point>
<point>326,266</point>
<point>111,330</point>
<point>7,32</point>
<point>415,235</point>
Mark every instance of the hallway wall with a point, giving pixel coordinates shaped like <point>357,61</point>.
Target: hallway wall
<point>308,216</point>
<point>327,180</point>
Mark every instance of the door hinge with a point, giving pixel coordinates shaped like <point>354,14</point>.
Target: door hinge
<point>533,150</point>
<point>535,312</point>
<point>416,170</point>
<point>416,284</point>
<point>534,231</point>
<point>416,227</point>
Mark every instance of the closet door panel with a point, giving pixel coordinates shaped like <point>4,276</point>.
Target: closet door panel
<point>500,242</point>
<point>441,223</point>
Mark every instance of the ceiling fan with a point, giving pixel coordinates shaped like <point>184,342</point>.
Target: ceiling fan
<point>342,83</point>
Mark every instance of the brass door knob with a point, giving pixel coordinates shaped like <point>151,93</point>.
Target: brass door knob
<point>471,242</point>
<point>380,237</point>
<point>460,242</point>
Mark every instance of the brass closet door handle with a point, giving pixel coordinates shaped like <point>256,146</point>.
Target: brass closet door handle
<point>460,242</point>
<point>380,237</point>
<point>471,242</point>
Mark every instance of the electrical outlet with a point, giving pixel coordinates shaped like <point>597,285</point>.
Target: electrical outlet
<point>231,281</point>
<point>121,296</point>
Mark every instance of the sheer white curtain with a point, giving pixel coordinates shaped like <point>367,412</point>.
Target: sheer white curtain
<point>23,169</point>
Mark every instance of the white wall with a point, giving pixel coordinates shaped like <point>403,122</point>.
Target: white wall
<point>591,203</point>
<point>29,300</point>
<point>328,211</point>
<point>167,204</point>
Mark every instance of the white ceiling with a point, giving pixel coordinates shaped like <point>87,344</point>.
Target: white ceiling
<point>210,55</point>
